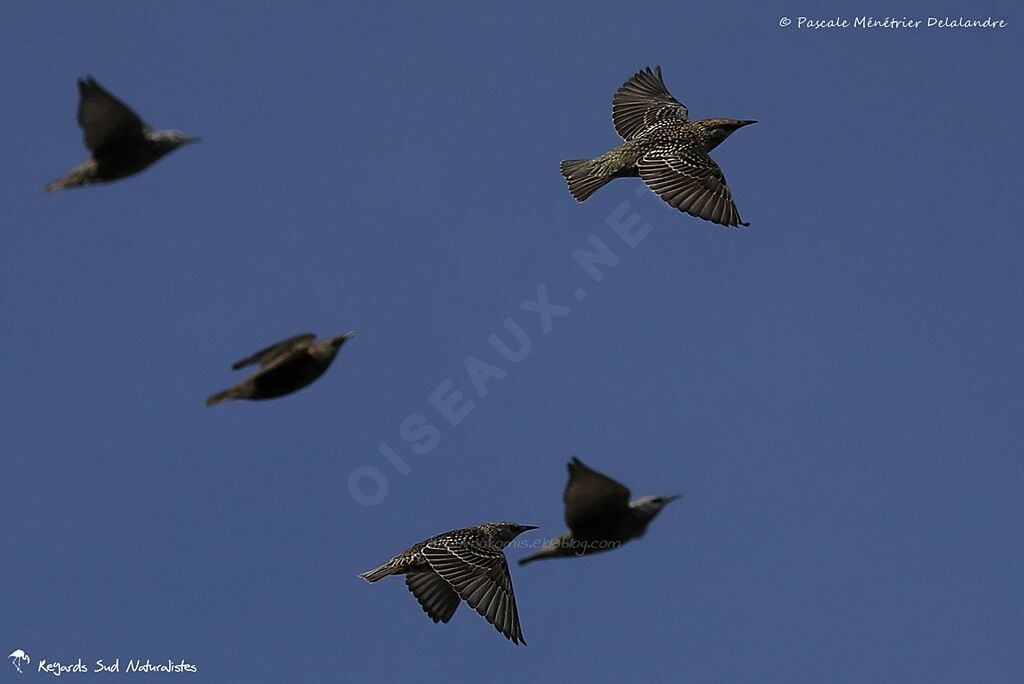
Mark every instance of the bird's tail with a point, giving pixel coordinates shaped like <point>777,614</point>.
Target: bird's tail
<point>223,395</point>
<point>377,573</point>
<point>83,174</point>
<point>532,557</point>
<point>552,549</point>
<point>59,184</point>
<point>584,177</point>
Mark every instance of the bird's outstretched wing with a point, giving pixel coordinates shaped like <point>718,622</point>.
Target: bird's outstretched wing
<point>479,574</point>
<point>107,123</point>
<point>591,498</point>
<point>690,181</point>
<point>268,355</point>
<point>436,596</point>
<point>642,101</point>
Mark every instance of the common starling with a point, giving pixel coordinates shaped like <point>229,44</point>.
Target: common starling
<point>121,143</point>
<point>599,514</point>
<point>667,150</point>
<point>467,565</point>
<point>285,367</point>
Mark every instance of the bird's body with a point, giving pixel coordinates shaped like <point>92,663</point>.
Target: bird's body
<point>599,515</point>
<point>285,367</point>
<point>121,143</point>
<point>462,565</point>
<point>662,146</point>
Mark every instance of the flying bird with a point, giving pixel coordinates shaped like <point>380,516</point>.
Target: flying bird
<point>120,142</point>
<point>462,565</point>
<point>599,514</point>
<point>285,367</point>
<point>667,150</point>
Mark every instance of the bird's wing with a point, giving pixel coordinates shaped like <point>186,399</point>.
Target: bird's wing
<point>644,100</point>
<point>592,498</point>
<point>690,181</point>
<point>480,576</point>
<point>107,123</point>
<point>436,597</point>
<point>268,355</point>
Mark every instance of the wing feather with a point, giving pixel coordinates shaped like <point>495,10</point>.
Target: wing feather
<point>434,594</point>
<point>591,498</point>
<point>269,354</point>
<point>690,181</point>
<point>107,123</point>
<point>480,576</point>
<point>644,100</point>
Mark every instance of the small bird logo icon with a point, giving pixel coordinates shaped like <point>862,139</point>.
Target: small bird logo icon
<point>17,658</point>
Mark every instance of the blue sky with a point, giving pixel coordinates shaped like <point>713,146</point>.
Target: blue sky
<point>835,390</point>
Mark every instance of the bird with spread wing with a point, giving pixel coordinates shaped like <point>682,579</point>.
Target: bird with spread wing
<point>121,144</point>
<point>599,515</point>
<point>462,565</point>
<point>665,149</point>
<point>285,367</point>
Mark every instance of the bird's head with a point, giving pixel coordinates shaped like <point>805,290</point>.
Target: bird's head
<point>331,345</point>
<point>718,130</point>
<point>339,340</point>
<point>171,140</point>
<point>649,506</point>
<point>505,532</point>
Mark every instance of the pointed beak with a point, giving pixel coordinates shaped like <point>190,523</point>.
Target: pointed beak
<point>673,497</point>
<point>189,141</point>
<point>524,528</point>
<point>746,123</point>
<point>339,340</point>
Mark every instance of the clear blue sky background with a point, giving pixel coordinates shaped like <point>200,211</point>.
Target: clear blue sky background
<point>836,390</point>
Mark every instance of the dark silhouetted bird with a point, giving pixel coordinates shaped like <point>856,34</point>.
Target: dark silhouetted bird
<point>467,565</point>
<point>285,367</point>
<point>599,514</point>
<point>121,143</point>
<point>667,150</point>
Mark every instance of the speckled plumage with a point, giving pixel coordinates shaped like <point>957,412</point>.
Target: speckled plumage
<point>121,143</point>
<point>667,150</point>
<point>599,515</point>
<point>462,565</point>
<point>285,367</point>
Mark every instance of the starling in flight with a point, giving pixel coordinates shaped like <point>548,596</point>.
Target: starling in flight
<point>667,150</point>
<point>285,367</point>
<point>467,565</point>
<point>599,514</point>
<point>121,143</point>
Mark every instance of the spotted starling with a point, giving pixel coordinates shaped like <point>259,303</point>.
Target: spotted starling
<point>121,143</point>
<point>467,565</point>
<point>285,367</point>
<point>599,514</point>
<point>667,150</point>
